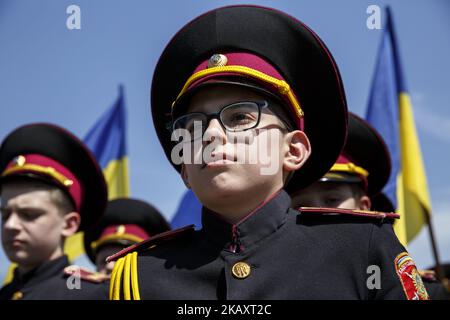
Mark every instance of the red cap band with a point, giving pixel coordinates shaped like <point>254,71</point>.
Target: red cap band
<point>49,168</point>
<point>129,232</point>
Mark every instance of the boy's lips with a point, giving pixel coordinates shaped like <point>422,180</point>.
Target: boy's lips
<point>218,163</point>
<point>219,160</point>
<point>15,243</point>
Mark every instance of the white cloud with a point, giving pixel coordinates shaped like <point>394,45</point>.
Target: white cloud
<point>437,125</point>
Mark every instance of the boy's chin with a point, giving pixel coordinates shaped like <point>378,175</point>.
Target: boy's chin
<point>218,190</point>
<point>227,181</point>
<point>24,258</point>
<point>20,257</point>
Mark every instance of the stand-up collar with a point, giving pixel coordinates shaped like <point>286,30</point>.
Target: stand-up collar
<point>258,224</point>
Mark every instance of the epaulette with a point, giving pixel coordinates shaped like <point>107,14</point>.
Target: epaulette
<point>151,242</point>
<point>124,277</point>
<point>85,274</point>
<point>347,212</point>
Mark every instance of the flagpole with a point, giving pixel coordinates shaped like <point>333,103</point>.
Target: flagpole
<point>438,266</point>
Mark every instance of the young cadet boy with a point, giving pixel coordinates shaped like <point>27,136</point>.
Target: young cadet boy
<point>247,76</point>
<point>125,222</point>
<point>51,187</point>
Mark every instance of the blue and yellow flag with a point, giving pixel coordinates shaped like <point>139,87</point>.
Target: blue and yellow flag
<point>106,140</point>
<point>390,112</point>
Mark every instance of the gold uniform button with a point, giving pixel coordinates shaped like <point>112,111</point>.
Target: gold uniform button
<point>17,295</point>
<point>241,270</point>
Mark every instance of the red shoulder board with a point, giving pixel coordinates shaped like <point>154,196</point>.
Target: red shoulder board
<point>152,242</point>
<point>85,274</point>
<point>348,212</point>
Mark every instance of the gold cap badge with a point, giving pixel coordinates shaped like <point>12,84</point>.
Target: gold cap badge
<point>120,229</point>
<point>217,60</point>
<point>19,161</point>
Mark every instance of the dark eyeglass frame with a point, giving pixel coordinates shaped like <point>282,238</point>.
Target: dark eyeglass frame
<point>217,115</point>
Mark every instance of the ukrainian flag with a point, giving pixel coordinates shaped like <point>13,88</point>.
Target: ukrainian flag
<point>390,112</point>
<point>106,140</point>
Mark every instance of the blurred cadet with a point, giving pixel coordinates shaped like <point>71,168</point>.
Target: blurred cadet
<point>445,267</point>
<point>232,81</point>
<point>356,181</point>
<point>436,289</point>
<point>51,187</point>
<point>360,173</point>
<point>125,222</point>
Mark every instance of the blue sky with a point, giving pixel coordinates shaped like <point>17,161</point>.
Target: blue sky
<point>70,77</point>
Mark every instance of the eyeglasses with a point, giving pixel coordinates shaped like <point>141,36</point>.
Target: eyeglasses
<point>236,117</point>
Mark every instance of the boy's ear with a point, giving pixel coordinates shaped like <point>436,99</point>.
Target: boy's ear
<point>364,203</point>
<point>72,222</point>
<point>298,150</point>
<point>185,177</point>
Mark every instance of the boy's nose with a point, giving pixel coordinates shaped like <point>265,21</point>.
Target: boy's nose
<point>12,223</point>
<point>214,130</point>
